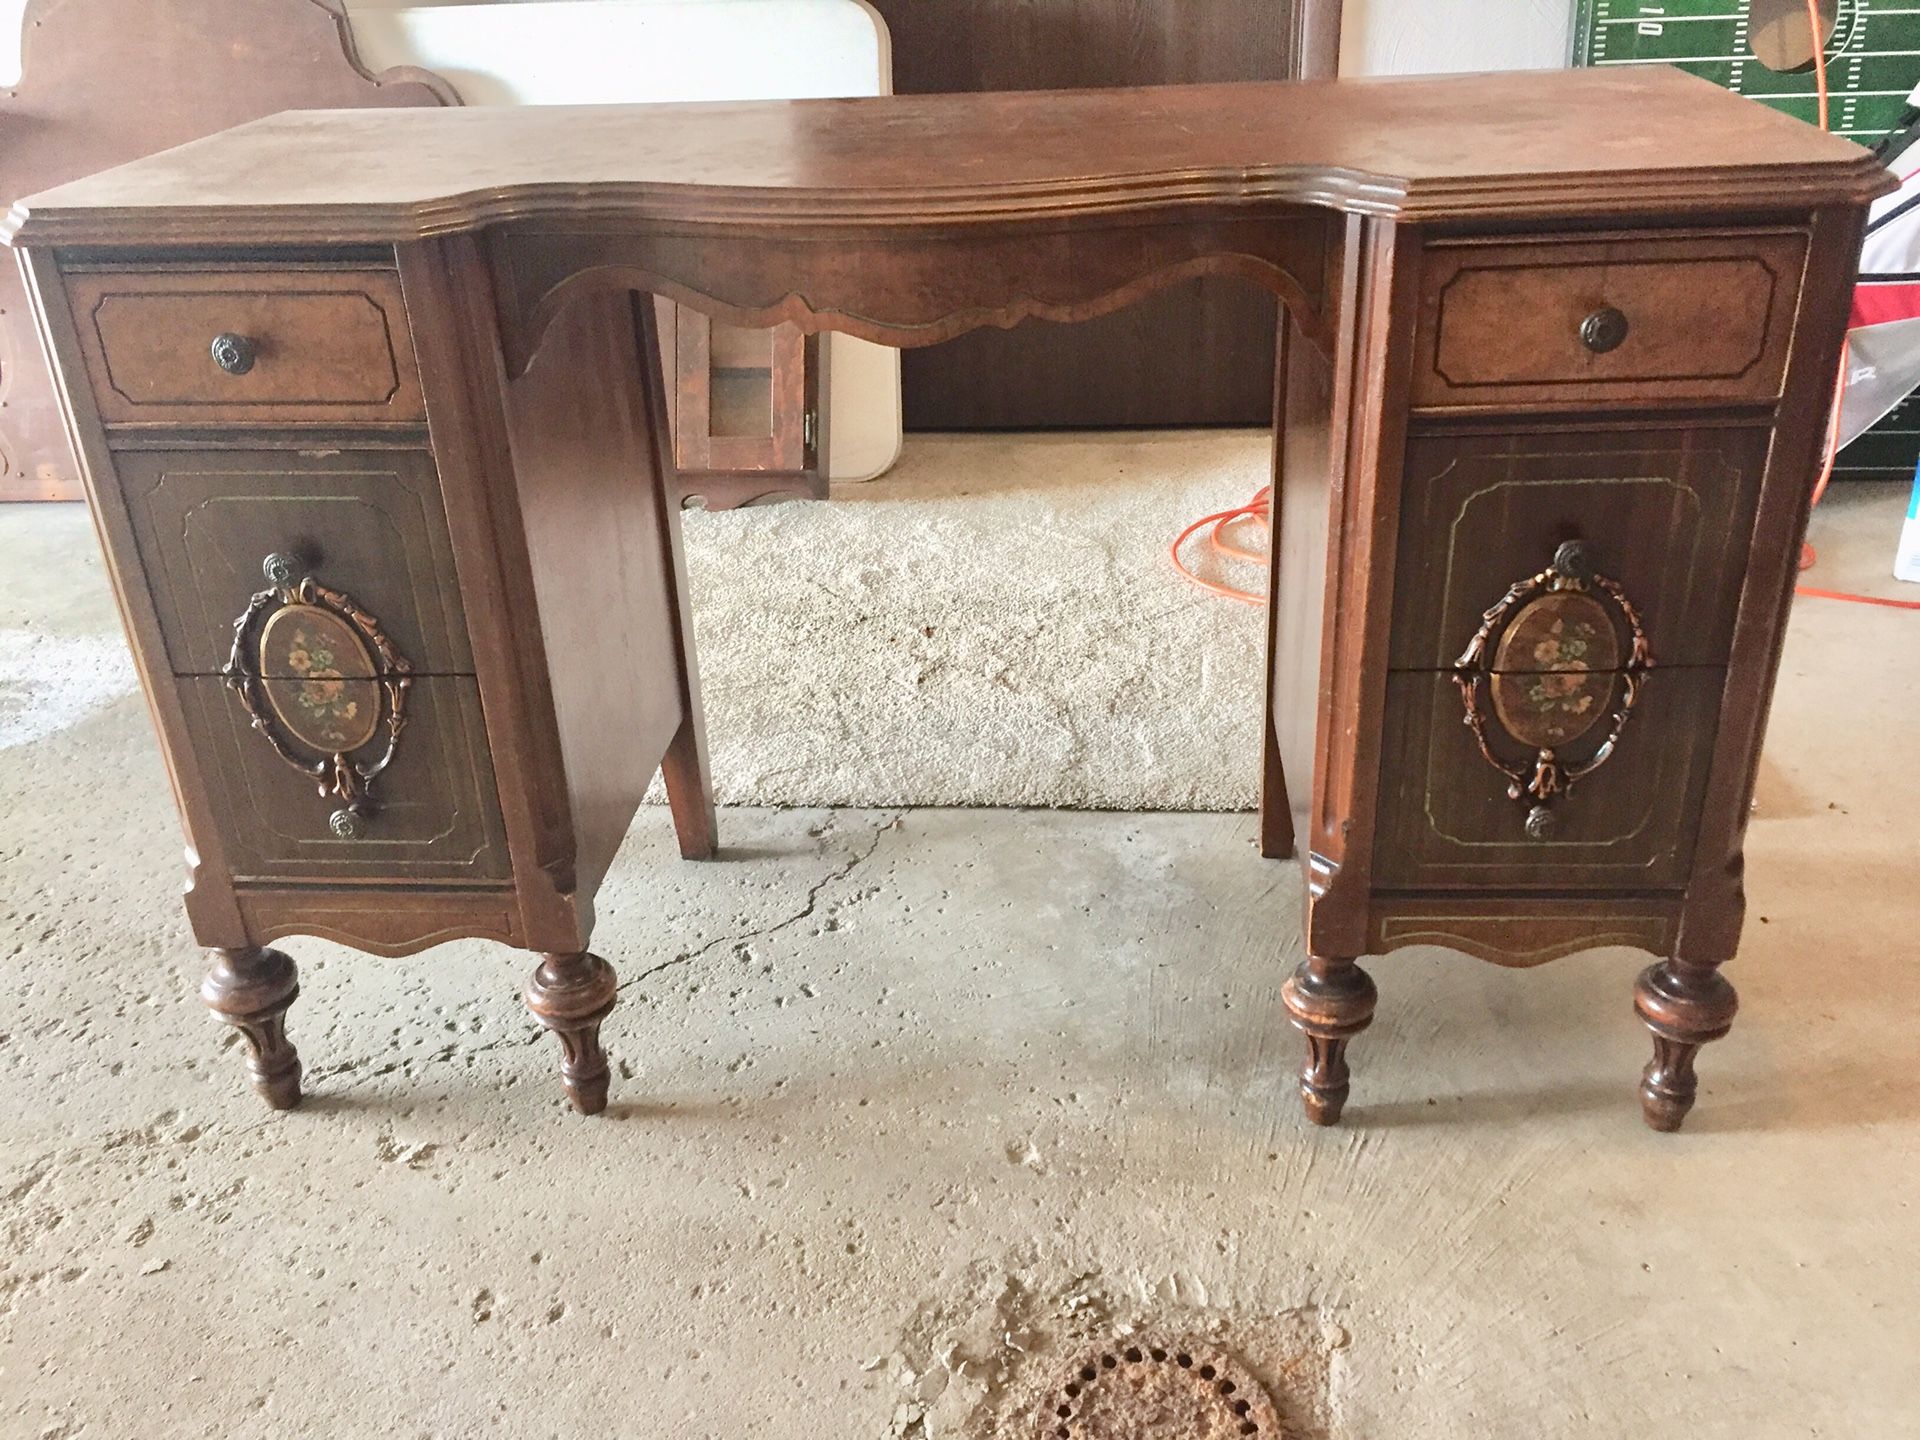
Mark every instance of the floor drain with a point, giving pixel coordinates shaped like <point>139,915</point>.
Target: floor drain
<point>1142,1388</point>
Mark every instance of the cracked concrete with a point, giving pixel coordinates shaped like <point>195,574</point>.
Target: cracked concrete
<point>910,1103</point>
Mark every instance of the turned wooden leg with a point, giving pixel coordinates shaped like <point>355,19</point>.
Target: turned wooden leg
<point>1330,1002</point>
<point>251,989</point>
<point>1685,1006</point>
<point>571,995</point>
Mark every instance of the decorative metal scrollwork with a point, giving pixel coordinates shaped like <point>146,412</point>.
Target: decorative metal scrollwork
<point>1549,655</point>
<point>319,678</point>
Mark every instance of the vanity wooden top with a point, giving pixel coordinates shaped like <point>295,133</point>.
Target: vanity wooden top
<point>1542,143</point>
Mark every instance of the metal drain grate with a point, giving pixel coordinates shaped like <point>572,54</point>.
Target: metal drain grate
<point>1145,1388</point>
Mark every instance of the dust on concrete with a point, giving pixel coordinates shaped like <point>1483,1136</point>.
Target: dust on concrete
<point>974,1361</point>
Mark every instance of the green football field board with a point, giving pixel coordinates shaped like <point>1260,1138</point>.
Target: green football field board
<point>1873,64</point>
<point>1873,55</point>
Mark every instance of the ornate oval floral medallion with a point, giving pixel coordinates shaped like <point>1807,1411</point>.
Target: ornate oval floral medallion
<point>320,679</point>
<point>1553,673</point>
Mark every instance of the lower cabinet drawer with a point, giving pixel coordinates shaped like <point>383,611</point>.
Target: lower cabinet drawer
<point>1446,821</point>
<point>433,814</point>
<point>368,523</point>
<point>1664,511</point>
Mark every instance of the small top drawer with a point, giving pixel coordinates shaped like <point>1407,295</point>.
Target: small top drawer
<point>283,347</point>
<point>1625,320</point>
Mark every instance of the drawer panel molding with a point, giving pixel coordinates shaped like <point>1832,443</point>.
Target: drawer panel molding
<point>370,524</point>
<point>1446,821</point>
<point>438,817</point>
<point>1610,322</point>
<point>1666,512</point>
<point>247,347</point>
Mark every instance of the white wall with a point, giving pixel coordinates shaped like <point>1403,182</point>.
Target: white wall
<point>12,16</point>
<point>1414,37</point>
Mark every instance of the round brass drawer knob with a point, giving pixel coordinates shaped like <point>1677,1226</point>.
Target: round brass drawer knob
<point>235,354</point>
<point>1605,329</point>
<point>345,824</point>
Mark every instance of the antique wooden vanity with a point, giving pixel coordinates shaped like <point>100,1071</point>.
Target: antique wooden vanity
<point>371,413</point>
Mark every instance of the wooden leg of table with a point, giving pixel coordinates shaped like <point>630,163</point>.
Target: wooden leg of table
<point>1685,1006</point>
<point>571,995</point>
<point>250,988</point>
<point>1276,810</point>
<point>690,793</point>
<point>1330,1001</point>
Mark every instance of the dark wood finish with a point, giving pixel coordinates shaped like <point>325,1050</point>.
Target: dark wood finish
<point>1631,320</point>
<point>911,289</point>
<point>1665,510</point>
<point>105,81</point>
<point>251,988</point>
<point>1329,1001</point>
<point>1450,149</point>
<point>383,919</point>
<point>435,816</point>
<point>571,995</point>
<point>1202,352</point>
<point>1308,431</point>
<point>368,522</point>
<point>1685,1006</point>
<point>586,425</point>
<point>1446,822</point>
<point>1549,927</point>
<point>1416,543</point>
<point>328,347</point>
<point>1716,898</point>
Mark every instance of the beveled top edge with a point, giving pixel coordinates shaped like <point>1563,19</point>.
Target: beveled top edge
<point>1520,144</point>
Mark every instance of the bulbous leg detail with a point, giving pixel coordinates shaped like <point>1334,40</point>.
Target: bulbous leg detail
<point>250,989</point>
<point>571,995</point>
<point>1685,1006</point>
<point>1330,1001</point>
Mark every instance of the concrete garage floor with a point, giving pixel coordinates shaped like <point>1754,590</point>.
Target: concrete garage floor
<point>909,1102</point>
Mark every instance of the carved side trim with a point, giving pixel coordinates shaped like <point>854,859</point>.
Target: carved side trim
<point>391,925</point>
<point>525,332</point>
<point>1521,942</point>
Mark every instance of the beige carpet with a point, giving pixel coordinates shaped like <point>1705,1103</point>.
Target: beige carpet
<point>995,622</point>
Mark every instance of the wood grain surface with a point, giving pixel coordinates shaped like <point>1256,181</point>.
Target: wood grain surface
<point>1445,148</point>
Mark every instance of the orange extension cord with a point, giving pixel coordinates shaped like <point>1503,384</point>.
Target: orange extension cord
<point>1259,510</point>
